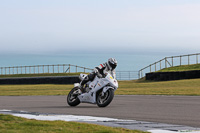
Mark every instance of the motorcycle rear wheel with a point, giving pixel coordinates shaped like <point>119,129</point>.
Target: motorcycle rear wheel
<point>103,101</point>
<point>72,97</point>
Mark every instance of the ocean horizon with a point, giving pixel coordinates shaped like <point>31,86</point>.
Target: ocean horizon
<point>126,62</point>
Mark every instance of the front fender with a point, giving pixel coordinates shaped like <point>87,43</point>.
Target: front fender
<point>106,88</point>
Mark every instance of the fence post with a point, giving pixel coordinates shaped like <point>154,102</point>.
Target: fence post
<point>34,69</point>
<point>84,69</point>
<point>58,68</point>
<point>76,68</point>
<point>48,68</point>
<point>142,73</point>
<point>9,70</point>
<point>180,60</point>
<point>197,59</point>
<point>138,74</point>
<point>38,69</point>
<point>63,68</point>
<point>160,65</point>
<point>13,70</point>
<point>69,68</point>
<point>43,68</point>
<point>155,67</point>
<point>25,69</point>
<point>150,68</point>
<point>172,61</point>
<point>53,68</point>
<point>21,69</point>
<point>29,69</point>
<point>188,59</point>
<point>165,62</point>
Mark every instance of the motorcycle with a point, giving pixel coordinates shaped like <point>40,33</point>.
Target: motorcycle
<point>100,91</point>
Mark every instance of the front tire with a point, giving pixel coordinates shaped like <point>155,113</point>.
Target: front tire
<point>103,101</point>
<point>72,97</point>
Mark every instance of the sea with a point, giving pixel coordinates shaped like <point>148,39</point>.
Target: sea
<point>126,61</point>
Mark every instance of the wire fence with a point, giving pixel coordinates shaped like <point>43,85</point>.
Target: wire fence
<point>170,62</point>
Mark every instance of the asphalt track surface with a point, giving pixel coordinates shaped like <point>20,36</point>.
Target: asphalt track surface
<point>181,110</point>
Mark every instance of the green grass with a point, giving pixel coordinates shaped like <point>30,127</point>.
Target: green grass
<point>12,124</point>
<point>181,68</point>
<point>176,87</point>
<point>38,75</point>
<point>189,87</point>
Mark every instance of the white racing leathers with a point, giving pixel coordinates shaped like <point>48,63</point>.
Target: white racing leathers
<point>105,68</point>
<point>100,72</point>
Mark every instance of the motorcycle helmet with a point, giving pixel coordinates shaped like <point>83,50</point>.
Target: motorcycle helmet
<point>112,63</point>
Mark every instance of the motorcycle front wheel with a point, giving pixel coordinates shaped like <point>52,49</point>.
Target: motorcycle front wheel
<point>72,98</point>
<point>104,100</point>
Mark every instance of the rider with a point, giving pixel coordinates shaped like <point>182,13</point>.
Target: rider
<point>100,71</point>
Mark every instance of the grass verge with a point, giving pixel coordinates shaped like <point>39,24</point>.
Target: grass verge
<point>181,68</point>
<point>12,124</point>
<point>177,87</point>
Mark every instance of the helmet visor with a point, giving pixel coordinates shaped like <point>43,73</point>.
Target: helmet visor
<point>113,66</point>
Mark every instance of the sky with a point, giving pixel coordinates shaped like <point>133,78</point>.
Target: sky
<point>59,26</point>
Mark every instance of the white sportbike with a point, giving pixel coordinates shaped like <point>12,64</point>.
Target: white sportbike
<point>100,91</point>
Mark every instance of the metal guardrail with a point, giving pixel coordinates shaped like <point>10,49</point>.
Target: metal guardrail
<point>170,62</point>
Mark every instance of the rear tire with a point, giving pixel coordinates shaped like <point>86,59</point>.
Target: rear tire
<point>103,101</point>
<point>72,97</point>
